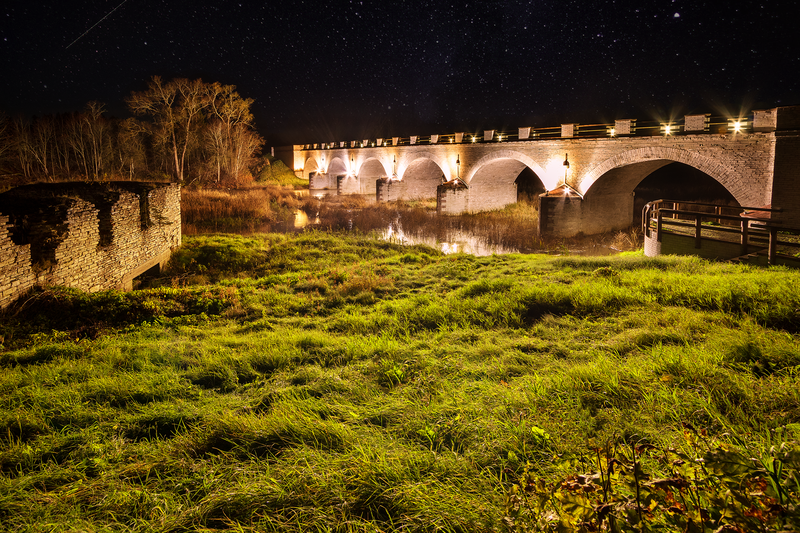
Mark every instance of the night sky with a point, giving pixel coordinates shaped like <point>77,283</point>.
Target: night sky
<point>343,70</point>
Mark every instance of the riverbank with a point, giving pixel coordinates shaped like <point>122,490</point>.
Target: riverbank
<point>338,382</point>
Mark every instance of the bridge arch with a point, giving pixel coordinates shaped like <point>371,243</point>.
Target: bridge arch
<point>310,167</point>
<point>492,179</point>
<point>422,174</point>
<point>336,167</point>
<point>414,158</point>
<point>368,172</point>
<point>608,188</point>
<point>624,171</point>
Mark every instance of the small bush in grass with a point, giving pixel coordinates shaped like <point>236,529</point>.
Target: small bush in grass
<point>706,486</point>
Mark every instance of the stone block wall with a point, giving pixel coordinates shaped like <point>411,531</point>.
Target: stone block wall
<point>320,181</point>
<point>452,198</point>
<point>89,236</point>
<point>347,185</point>
<point>388,190</point>
<point>560,215</point>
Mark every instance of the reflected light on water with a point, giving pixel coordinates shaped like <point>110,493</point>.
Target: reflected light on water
<point>458,242</point>
<point>300,219</point>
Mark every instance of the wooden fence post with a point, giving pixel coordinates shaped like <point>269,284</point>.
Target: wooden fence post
<point>697,225</point>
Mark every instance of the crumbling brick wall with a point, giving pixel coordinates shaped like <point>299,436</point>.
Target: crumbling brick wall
<point>90,236</point>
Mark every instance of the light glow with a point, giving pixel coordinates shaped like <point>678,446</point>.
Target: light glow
<point>553,173</point>
<point>612,132</point>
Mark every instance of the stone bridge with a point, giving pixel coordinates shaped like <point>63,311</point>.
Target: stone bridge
<point>586,174</point>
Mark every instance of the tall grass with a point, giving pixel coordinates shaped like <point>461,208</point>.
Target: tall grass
<point>337,382</point>
<point>234,209</point>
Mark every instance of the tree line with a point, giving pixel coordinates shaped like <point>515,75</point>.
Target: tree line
<point>182,130</point>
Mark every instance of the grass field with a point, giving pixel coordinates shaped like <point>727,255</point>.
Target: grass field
<point>331,382</point>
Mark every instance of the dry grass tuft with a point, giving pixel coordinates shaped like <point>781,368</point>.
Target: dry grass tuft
<point>234,209</point>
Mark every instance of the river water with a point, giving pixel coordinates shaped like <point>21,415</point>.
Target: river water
<point>449,238</point>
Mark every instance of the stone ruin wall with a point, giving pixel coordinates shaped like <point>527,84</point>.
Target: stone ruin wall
<point>91,237</point>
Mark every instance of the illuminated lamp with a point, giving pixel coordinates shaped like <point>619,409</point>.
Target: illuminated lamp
<point>612,132</point>
<point>473,138</point>
<point>667,128</point>
<point>737,125</point>
<point>566,167</point>
<point>458,167</point>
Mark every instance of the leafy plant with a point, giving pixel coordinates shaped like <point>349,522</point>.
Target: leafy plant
<point>706,486</point>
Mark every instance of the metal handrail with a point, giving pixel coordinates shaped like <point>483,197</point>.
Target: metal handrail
<point>601,130</point>
<point>749,235</point>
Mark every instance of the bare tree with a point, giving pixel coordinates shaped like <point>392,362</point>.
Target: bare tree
<point>174,108</point>
<point>245,144</point>
<point>234,140</point>
<point>131,149</point>
<point>189,130</point>
<point>22,146</point>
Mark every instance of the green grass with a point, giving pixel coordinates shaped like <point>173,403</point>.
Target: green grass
<point>276,172</point>
<point>320,382</point>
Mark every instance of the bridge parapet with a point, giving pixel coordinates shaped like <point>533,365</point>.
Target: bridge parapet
<point>756,121</point>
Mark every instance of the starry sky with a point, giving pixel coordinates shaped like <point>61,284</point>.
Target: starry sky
<point>345,70</point>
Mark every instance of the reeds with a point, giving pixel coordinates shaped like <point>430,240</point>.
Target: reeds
<point>234,209</point>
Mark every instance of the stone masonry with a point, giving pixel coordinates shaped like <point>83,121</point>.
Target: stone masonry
<point>89,236</point>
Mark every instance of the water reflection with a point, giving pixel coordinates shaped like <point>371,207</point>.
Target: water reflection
<point>457,242</point>
<point>325,210</point>
<point>300,219</point>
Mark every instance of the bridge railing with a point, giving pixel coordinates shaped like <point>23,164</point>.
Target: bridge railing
<point>756,229</point>
<point>701,124</point>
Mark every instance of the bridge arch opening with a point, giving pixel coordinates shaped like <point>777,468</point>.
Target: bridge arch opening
<point>495,184</point>
<point>615,199</point>
<point>421,178</point>
<point>337,167</point>
<point>368,173</point>
<point>310,167</point>
<point>497,179</point>
<point>340,179</point>
<point>529,186</point>
<point>679,181</point>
